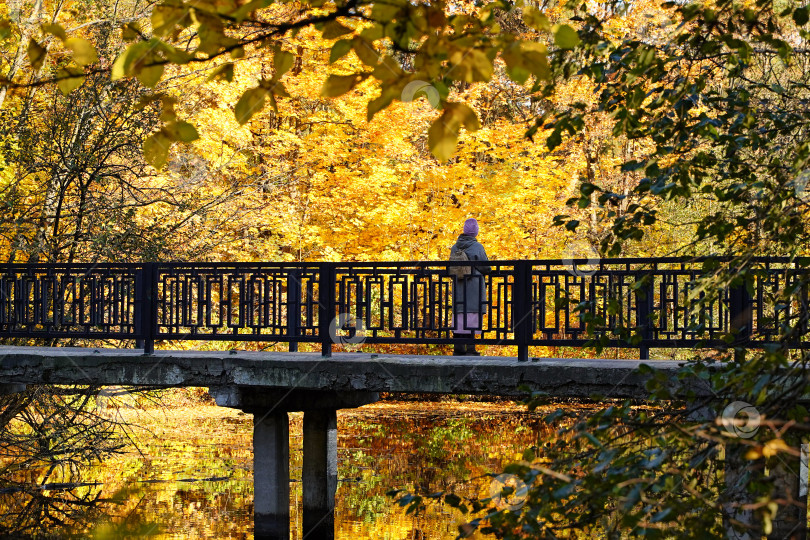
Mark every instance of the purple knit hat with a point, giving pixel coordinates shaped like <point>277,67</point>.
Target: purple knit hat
<point>471,227</point>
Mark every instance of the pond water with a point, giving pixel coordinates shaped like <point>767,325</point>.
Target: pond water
<point>192,475</point>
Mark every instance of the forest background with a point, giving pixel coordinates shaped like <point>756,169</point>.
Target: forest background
<point>312,180</point>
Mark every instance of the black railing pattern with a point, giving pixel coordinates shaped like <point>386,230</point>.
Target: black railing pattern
<point>639,303</point>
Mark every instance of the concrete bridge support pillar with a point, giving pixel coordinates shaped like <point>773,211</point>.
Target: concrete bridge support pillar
<point>789,474</point>
<point>7,389</point>
<point>320,473</point>
<point>738,522</point>
<point>790,480</point>
<point>271,476</point>
<point>271,454</point>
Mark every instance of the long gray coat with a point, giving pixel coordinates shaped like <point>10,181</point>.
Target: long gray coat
<point>470,293</point>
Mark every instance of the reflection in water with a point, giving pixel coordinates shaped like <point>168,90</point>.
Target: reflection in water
<point>194,476</point>
<point>50,435</point>
<point>423,447</point>
<point>27,509</point>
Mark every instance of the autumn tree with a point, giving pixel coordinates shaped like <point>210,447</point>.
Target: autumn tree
<point>74,187</point>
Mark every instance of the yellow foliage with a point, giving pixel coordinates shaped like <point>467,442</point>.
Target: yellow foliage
<point>307,177</point>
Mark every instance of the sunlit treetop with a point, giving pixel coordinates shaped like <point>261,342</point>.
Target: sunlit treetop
<point>408,47</point>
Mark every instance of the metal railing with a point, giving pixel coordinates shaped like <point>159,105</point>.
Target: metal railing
<point>637,303</point>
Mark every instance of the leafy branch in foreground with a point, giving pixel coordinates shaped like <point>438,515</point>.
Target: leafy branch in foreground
<point>446,46</point>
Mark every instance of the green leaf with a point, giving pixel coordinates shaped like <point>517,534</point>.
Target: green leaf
<point>384,12</point>
<point>535,58</point>
<point>167,112</point>
<point>481,66</point>
<point>517,72</point>
<point>534,18</point>
<point>212,36</point>
<point>156,149</point>
<point>131,32</point>
<point>169,14</point>
<point>251,102</point>
<point>173,54</point>
<point>146,100</point>
<point>181,131</point>
<point>365,51</point>
<point>119,67</point>
<point>387,95</point>
<point>276,88</point>
<point>55,29</point>
<point>565,37</point>
<point>374,32</point>
<point>149,75</point>
<point>334,29</point>
<point>516,65</point>
<point>84,53</point>
<point>388,70</point>
<point>462,114</point>
<point>36,54</point>
<point>801,16</point>
<point>5,29</point>
<point>442,139</point>
<point>554,139</point>
<point>134,55</point>
<point>282,62</point>
<point>472,66</point>
<point>587,188</point>
<point>337,85</point>
<point>339,50</point>
<point>69,78</point>
<point>225,71</point>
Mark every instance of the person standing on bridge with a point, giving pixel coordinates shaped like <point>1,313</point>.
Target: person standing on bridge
<point>469,291</point>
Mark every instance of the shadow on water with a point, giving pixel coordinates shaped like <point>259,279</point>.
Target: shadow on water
<point>193,475</point>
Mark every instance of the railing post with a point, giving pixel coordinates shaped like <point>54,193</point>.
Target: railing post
<point>20,300</point>
<point>140,287</point>
<point>326,306</point>
<point>741,318</point>
<point>146,307</point>
<point>138,319</point>
<point>645,298</point>
<point>293,307</point>
<point>522,308</point>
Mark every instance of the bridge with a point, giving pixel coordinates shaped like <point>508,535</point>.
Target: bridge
<point>271,384</point>
<point>147,308</point>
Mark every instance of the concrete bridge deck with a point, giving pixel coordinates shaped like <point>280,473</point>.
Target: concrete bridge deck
<point>342,373</point>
